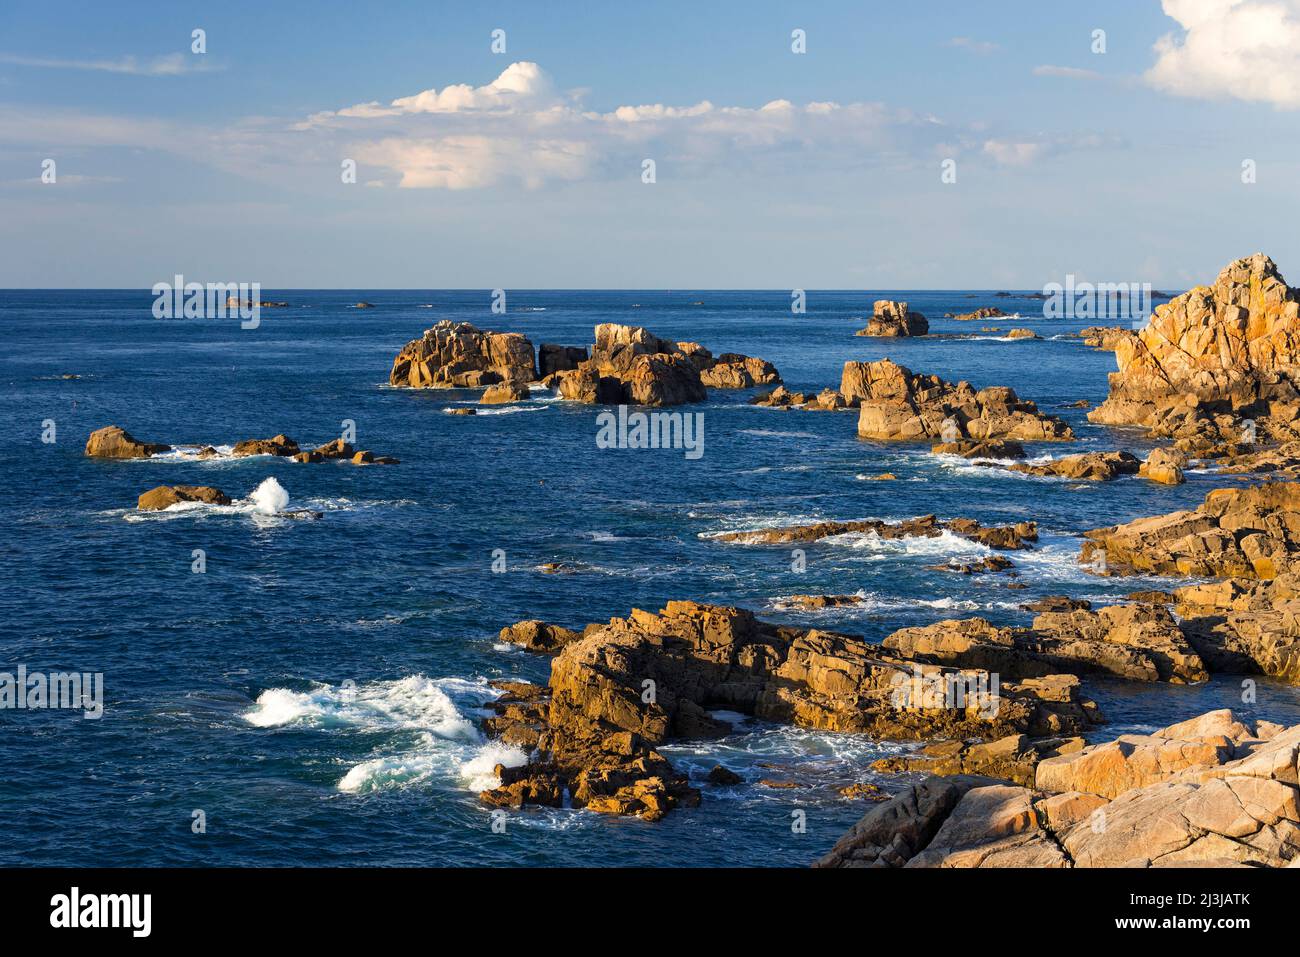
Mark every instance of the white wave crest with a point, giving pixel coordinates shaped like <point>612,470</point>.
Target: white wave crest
<point>428,720</point>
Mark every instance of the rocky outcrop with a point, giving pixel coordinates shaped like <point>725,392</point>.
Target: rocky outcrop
<point>165,496</point>
<point>1022,334</point>
<point>1243,533</point>
<point>1105,338</point>
<point>895,404</point>
<point>817,602</point>
<point>1230,346</point>
<point>970,449</point>
<point>891,318</point>
<point>731,370</point>
<point>1140,642</point>
<point>457,355</point>
<point>983,312</point>
<point>927,526</point>
<point>1084,467</point>
<point>1014,758</point>
<point>503,392</point>
<point>828,400</point>
<point>112,442</point>
<point>629,365</point>
<point>280,445</point>
<point>535,635</point>
<point>622,689</point>
<point>1213,791</point>
<point>1245,627</point>
<point>1164,466</point>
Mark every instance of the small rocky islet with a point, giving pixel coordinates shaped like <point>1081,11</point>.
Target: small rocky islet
<point>1211,377</point>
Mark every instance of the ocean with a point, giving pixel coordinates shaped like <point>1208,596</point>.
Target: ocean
<point>312,696</point>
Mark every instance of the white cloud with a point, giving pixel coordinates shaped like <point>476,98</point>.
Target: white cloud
<point>1010,153</point>
<point>173,64</point>
<point>467,162</point>
<point>982,47</point>
<point>521,86</point>
<point>518,128</point>
<point>1243,49</point>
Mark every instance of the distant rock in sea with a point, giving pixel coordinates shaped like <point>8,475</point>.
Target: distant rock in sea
<point>891,318</point>
<point>165,496</point>
<point>112,442</point>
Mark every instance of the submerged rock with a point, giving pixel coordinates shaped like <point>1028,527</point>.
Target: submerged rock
<point>112,442</point>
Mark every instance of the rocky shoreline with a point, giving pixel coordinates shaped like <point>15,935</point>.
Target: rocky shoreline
<point>1013,783</point>
<point>1002,715</point>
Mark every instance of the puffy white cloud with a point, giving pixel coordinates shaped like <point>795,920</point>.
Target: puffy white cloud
<point>1244,49</point>
<point>467,162</point>
<point>521,86</point>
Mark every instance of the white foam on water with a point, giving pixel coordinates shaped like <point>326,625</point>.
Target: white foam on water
<point>511,409</point>
<point>269,498</point>
<point>429,723</point>
<point>190,453</point>
<point>877,602</point>
<point>479,772</point>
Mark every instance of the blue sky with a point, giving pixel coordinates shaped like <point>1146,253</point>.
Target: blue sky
<point>772,169</point>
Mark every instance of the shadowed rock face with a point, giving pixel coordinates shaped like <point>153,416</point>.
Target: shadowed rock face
<point>1245,627</point>
<point>1212,791</point>
<point>1235,343</point>
<point>1246,533</point>
<point>895,404</point>
<point>621,689</point>
<point>112,442</point>
<point>457,355</point>
<point>891,318</point>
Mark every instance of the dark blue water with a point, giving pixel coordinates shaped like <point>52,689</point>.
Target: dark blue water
<point>314,692</point>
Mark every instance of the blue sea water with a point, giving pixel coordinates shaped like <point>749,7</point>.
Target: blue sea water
<point>315,692</point>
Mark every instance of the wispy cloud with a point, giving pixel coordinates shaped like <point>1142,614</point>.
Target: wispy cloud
<point>982,47</point>
<point>171,64</point>
<point>1068,72</point>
